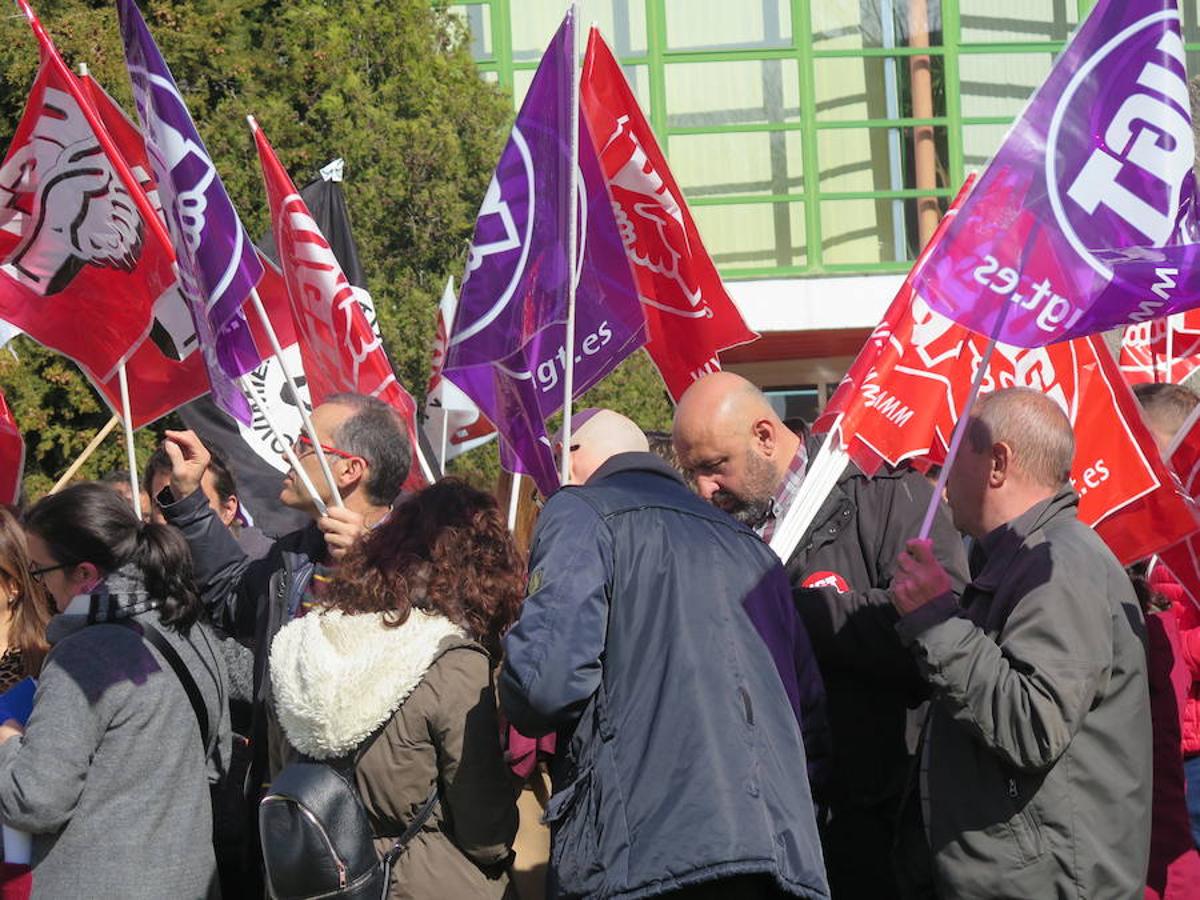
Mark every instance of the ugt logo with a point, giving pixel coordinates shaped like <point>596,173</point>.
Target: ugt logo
<point>1128,190</point>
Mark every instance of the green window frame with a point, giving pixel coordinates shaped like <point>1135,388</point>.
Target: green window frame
<point>950,54</point>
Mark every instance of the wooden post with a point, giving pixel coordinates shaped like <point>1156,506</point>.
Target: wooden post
<point>87,452</point>
<point>924,147</point>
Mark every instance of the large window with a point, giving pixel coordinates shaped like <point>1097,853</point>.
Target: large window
<point>811,136</point>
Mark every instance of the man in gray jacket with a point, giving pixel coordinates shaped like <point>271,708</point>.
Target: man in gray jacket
<point>1035,772</point>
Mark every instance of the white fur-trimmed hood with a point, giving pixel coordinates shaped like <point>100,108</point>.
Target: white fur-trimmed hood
<point>336,678</point>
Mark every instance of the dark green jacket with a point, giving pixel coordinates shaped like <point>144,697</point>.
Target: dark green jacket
<point>1039,746</point>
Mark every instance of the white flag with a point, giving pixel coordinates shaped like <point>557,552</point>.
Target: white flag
<point>453,423</point>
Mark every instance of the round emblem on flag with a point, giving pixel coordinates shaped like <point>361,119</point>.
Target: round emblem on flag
<point>1127,188</point>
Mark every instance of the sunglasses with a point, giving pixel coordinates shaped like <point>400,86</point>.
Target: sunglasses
<point>303,446</point>
<point>39,574</point>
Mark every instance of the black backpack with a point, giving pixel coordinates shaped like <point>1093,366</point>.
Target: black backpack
<point>317,839</point>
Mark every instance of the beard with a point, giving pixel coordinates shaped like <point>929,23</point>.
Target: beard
<point>752,512</point>
<point>754,504</point>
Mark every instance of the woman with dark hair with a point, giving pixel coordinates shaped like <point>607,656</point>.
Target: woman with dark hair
<point>396,670</point>
<point>111,773</point>
<point>24,609</point>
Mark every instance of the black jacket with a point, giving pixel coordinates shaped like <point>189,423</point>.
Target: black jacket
<point>870,678</point>
<point>685,762</point>
<point>248,599</point>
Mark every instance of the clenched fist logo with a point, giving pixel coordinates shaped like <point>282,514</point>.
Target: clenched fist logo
<point>80,214</point>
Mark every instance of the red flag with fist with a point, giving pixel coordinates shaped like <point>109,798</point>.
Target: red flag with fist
<point>82,257</point>
<point>689,316</point>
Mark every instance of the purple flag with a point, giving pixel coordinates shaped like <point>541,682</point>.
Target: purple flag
<point>217,264</point>
<point>1086,218</point>
<point>507,346</point>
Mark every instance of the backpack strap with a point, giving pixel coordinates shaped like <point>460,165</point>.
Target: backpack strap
<point>171,655</point>
<point>417,823</point>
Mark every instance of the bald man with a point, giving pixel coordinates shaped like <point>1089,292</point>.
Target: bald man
<point>1035,773</point>
<point>597,435</point>
<point>746,461</point>
<point>681,762</point>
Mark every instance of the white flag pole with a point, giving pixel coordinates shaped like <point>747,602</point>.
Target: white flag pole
<point>960,427</point>
<point>572,249</point>
<point>130,452</point>
<point>514,501</point>
<point>262,409</point>
<point>1170,347</point>
<point>261,311</point>
<point>445,437</point>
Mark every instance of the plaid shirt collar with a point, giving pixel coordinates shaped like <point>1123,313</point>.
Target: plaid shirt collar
<point>788,488</point>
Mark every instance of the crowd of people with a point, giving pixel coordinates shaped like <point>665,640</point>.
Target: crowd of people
<point>1000,710</point>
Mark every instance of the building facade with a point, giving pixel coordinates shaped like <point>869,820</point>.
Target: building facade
<point>816,141</point>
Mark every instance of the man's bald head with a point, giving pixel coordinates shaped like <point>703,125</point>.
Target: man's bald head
<point>598,435</point>
<point>731,440</point>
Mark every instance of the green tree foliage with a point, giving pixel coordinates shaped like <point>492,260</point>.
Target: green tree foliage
<point>389,86</point>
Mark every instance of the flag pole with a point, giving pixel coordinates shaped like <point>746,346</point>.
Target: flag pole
<point>1170,347</point>
<point>86,454</point>
<point>960,426</point>
<point>322,461</point>
<point>572,250</point>
<point>260,407</point>
<point>445,437</point>
<point>514,501</point>
<point>130,450</point>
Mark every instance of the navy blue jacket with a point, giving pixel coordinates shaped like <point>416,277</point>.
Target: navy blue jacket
<point>681,760</point>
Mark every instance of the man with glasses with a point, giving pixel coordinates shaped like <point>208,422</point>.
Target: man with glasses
<point>367,447</point>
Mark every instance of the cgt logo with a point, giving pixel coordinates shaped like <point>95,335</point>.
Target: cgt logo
<point>1127,191</point>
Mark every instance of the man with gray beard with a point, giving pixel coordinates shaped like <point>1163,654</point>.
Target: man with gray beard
<point>745,461</point>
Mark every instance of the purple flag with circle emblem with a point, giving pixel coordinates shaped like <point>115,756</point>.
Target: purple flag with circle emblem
<point>1086,218</point>
<point>507,342</point>
<point>217,264</point>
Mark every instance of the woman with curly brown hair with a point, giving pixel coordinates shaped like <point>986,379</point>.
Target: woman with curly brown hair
<point>396,672</point>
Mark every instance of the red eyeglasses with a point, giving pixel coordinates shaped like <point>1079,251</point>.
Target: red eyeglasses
<point>303,445</point>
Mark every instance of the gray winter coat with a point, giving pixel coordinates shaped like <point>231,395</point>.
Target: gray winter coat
<point>110,775</point>
<point>1039,765</point>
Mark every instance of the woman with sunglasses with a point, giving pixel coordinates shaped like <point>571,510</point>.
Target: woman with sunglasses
<point>396,668</point>
<point>111,774</point>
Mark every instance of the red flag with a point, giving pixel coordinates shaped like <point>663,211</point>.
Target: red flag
<point>899,392</point>
<point>901,398</point>
<point>1145,349</point>
<point>919,370</point>
<point>12,455</point>
<point>1127,493</point>
<point>83,257</point>
<point>339,349</point>
<point>688,313</point>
